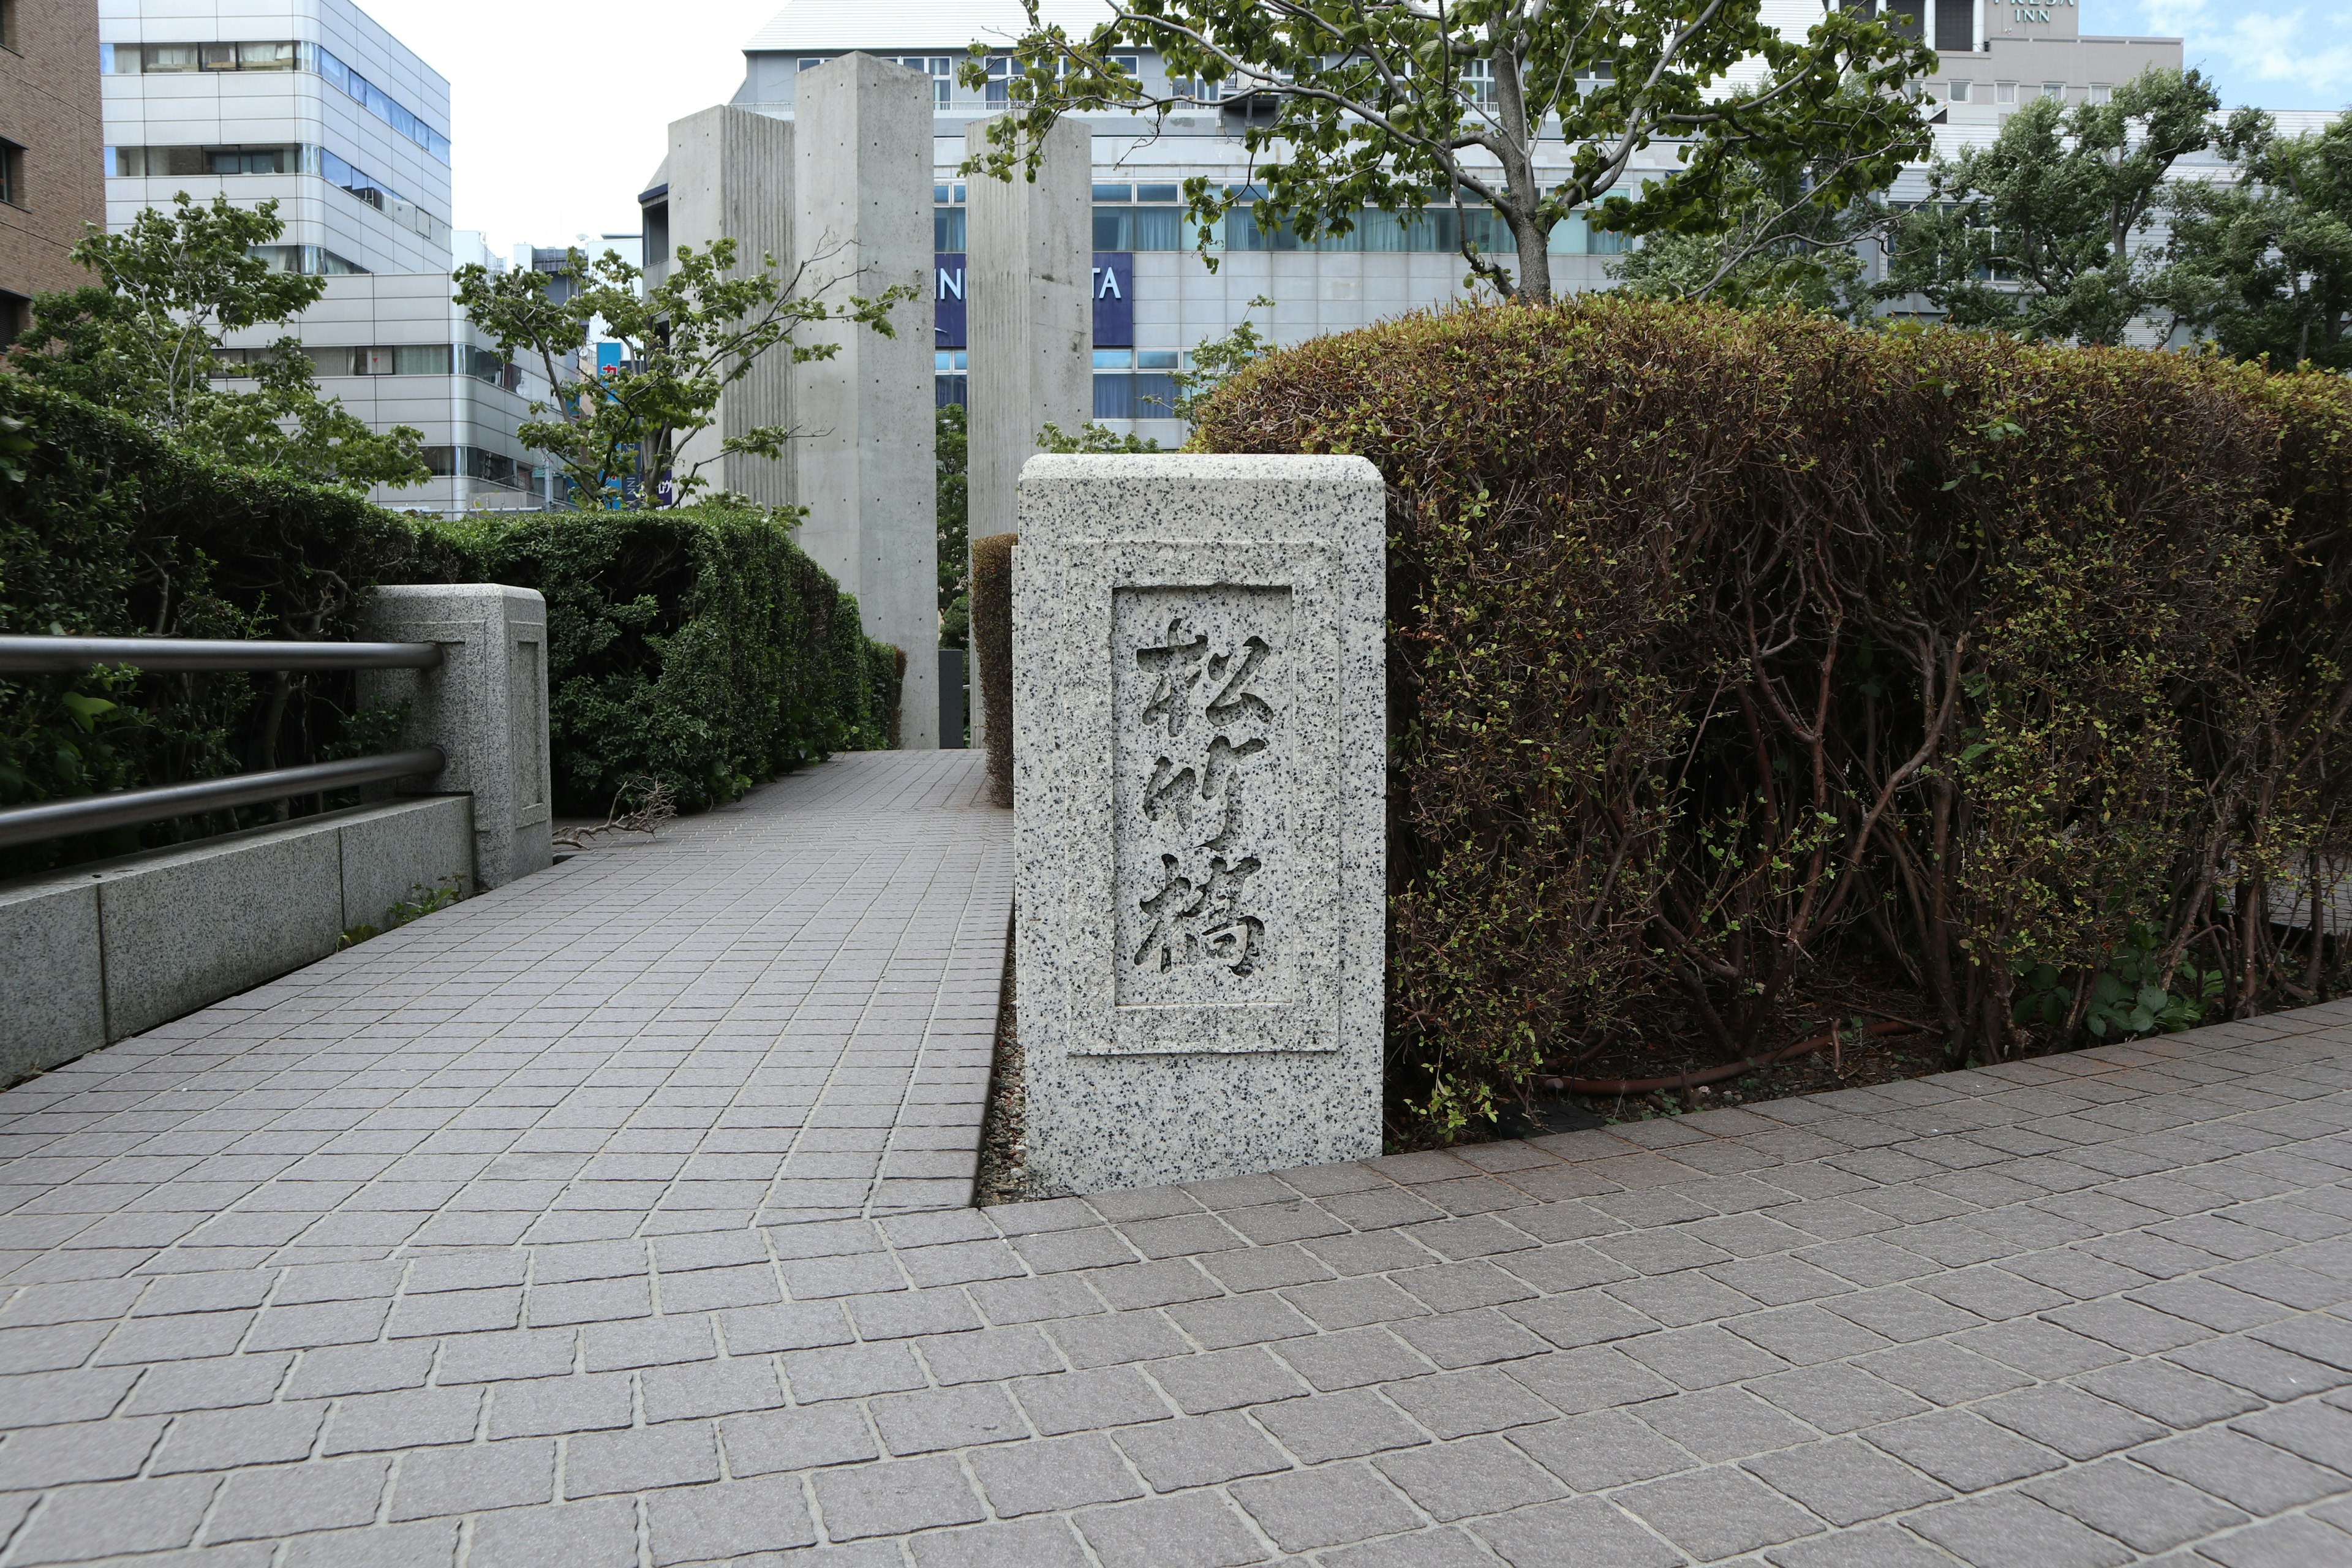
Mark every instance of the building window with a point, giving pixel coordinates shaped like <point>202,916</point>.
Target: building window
<point>15,316</point>
<point>2102,92</point>
<point>810,62</point>
<point>947,229</point>
<point>314,260</point>
<point>1960,92</point>
<point>941,68</point>
<point>2004,92</point>
<point>159,60</point>
<point>1000,79</point>
<point>8,42</point>
<point>12,173</point>
<point>1478,80</point>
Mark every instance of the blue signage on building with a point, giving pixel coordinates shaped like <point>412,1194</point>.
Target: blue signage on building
<point>1112,285</point>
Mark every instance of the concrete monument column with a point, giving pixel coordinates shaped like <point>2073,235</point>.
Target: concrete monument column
<point>486,707</point>
<point>1198,701</point>
<point>864,464</point>
<point>1028,322</point>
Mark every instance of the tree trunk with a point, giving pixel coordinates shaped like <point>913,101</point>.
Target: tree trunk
<point>1535,263</point>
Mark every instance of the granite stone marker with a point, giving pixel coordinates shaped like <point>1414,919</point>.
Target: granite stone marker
<point>1200,805</point>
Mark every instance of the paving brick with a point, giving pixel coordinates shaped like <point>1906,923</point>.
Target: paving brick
<point>2007,1528</point>
<point>431,1543</point>
<point>1333,1506</point>
<point>1845,1481</point>
<point>1444,1547</point>
<point>1081,1401</point>
<point>381,1423</point>
<point>2073,1423</point>
<point>1477,1475</point>
<point>601,1534</point>
<point>2147,1512</point>
<point>76,1524</point>
<point>230,1439</point>
<point>895,1498</point>
<point>1839,1397</point>
<point>600,1463</point>
<point>796,1439</point>
<point>2292,1542</point>
<point>449,1481</point>
<point>549,1406</point>
<point>1962,1450</point>
<point>1021,1544</point>
<point>1224,1380</point>
<point>688,1524</point>
<point>1196,1451</point>
<point>1574,1535</point>
<point>1170,1532</point>
<point>1338,1426</point>
<point>82,1451</point>
<point>2180,1399</point>
<point>2252,1475</point>
<point>851,1372</point>
<point>1056,1474</point>
<point>260,1505</point>
<point>939,1418</point>
<point>1716,1512</point>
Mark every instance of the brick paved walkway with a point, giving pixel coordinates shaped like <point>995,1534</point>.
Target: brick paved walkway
<point>2085,1311</point>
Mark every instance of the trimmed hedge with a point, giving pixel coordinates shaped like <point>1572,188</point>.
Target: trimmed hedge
<point>699,646</point>
<point>114,532</point>
<point>991,646</point>
<point>1728,649</point>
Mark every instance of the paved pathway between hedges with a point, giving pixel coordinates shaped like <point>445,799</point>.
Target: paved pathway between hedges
<point>470,1248</point>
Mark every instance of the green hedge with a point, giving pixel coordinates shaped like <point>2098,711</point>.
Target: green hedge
<point>1732,657</point>
<point>700,645</point>
<point>112,531</point>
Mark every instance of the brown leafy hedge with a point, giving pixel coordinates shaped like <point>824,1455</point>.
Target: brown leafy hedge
<point>1726,647</point>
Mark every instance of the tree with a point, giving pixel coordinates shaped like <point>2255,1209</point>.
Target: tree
<point>1778,249</point>
<point>684,342</point>
<point>2036,234</point>
<point>2262,265</point>
<point>146,339</point>
<point>1533,107</point>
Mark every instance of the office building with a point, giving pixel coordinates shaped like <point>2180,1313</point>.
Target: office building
<point>49,140</point>
<point>314,104</point>
<point>1156,299</point>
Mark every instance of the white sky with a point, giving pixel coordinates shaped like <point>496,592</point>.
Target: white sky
<point>560,115</point>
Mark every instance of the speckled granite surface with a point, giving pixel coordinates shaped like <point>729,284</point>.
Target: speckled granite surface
<point>1199,810</point>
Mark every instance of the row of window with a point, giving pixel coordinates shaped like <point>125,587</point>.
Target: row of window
<point>480,463</point>
<point>288,158</point>
<point>310,260</point>
<point>397,359</point>
<point>1120,394</point>
<point>166,59</point>
<point>12,173</point>
<point>2006,91</point>
<point>1437,229</point>
<point>941,70</point>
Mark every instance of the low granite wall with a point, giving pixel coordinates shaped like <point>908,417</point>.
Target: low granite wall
<point>111,949</point>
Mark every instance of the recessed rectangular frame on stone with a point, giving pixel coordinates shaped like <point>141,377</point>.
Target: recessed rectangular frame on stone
<point>1199,733</point>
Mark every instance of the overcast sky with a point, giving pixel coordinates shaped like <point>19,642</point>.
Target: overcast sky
<point>560,113</point>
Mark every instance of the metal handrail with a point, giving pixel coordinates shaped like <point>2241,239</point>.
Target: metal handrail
<point>51,654</point>
<point>131,807</point>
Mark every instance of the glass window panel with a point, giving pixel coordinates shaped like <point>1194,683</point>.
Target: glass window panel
<point>1114,359</point>
<point>373,361</point>
<point>1156,359</point>
<point>171,56</point>
<point>1115,396</point>
<point>334,70</point>
<point>1159,228</point>
<point>946,389</point>
<point>1159,193</point>
<point>421,359</point>
<point>218,57</point>
<point>177,160</point>
<point>1114,192</point>
<point>1379,231</point>
<point>939,194</point>
<point>1328,241</point>
<point>948,228</point>
<point>265,56</point>
<point>1155,397</point>
<point>1114,229</point>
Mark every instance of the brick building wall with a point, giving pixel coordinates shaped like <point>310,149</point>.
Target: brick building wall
<point>51,115</point>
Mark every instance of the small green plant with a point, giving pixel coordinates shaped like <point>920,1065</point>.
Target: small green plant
<point>2129,998</point>
<point>422,902</point>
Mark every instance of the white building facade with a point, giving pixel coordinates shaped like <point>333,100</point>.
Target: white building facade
<point>314,104</point>
<point>1156,299</point>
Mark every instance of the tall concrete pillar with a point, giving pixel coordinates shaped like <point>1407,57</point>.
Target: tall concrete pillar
<point>731,177</point>
<point>1028,321</point>
<point>864,464</point>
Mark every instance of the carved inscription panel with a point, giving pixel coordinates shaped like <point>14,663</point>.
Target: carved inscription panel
<point>1201,696</point>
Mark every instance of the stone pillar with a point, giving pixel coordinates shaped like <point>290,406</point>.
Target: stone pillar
<point>730,174</point>
<point>486,707</point>
<point>1200,807</point>
<point>864,464</point>
<point>1028,322</point>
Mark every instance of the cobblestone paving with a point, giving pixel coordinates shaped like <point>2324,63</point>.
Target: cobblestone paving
<point>2089,1310</point>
